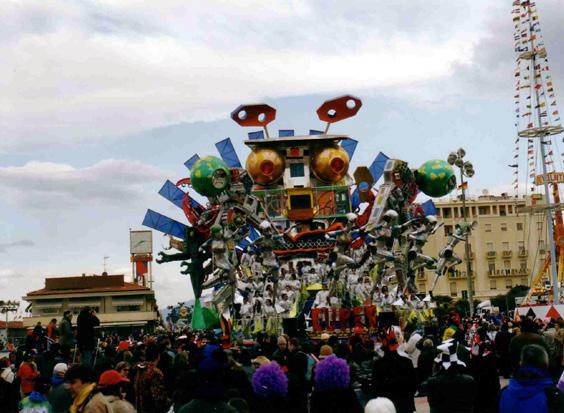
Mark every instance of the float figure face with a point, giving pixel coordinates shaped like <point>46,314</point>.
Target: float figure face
<point>210,176</point>
<point>330,164</point>
<point>436,178</point>
<point>265,165</point>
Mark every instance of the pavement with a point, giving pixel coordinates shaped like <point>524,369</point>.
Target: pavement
<point>422,406</point>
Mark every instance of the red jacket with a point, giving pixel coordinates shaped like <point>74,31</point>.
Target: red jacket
<point>27,375</point>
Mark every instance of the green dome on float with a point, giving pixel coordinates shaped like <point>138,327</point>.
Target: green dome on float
<point>436,178</point>
<point>210,176</point>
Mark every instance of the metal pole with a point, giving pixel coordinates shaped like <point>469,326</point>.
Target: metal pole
<point>556,296</point>
<point>6,326</point>
<point>467,249</point>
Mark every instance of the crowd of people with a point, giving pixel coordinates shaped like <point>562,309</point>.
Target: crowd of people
<point>456,363</point>
<point>262,297</point>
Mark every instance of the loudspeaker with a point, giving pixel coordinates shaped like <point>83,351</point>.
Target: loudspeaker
<point>290,326</point>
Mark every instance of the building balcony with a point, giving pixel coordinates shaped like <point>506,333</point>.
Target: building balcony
<point>508,272</point>
<point>491,254</point>
<point>523,253</point>
<point>507,254</point>
<point>457,275</point>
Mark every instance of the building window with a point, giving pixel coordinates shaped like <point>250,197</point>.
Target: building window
<point>523,266</point>
<point>490,246</point>
<point>539,225</point>
<point>521,245</point>
<point>510,209</point>
<point>453,289</point>
<point>473,211</point>
<point>507,265</point>
<point>505,246</point>
<point>447,213</point>
<point>50,310</point>
<point>296,170</point>
<point>502,210</point>
<point>519,226</point>
<point>503,226</point>
<point>488,227</point>
<point>438,212</point>
<point>121,308</point>
<point>455,212</point>
<point>491,268</point>
<point>494,210</point>
<point>493,284</point>
<point>484,210</point>
<point>542,248</point>
<point>508,283</point>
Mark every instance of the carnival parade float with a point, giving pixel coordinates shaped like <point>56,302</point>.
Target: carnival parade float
<point>299,234</point>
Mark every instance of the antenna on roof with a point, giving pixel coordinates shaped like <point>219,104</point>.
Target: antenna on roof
<point>254,115</point>
<point>106,258</point>
<point>337,109</point>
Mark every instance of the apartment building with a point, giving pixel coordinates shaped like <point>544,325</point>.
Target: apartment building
<point>508,247</point>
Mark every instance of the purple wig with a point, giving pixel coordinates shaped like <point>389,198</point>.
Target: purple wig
<point>270,381</point>
<point>332,373</point>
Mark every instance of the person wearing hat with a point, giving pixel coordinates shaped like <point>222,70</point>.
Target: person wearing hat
<point>325,352</point>
<point>110,385</point>
<point>450,389</point>
<point>37,401</point>
<point>259,361</point>
<point>27,372</point>
<point>393,376</point>
<point>59,396</point>
<point>332,390</point>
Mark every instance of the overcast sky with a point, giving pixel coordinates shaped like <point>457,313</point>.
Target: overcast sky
<point>102,101</point>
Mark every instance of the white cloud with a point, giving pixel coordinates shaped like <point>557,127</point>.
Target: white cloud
<point>5,246</point>
<point>44,185</point>
<point>90,69</point>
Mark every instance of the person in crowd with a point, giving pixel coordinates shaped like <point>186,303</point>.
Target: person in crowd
<point>281,354</point>
<point>82,386</point>
<point>37,401</point>
<point>27,373</point>
<point>502,340</point>
<point>393,376</point>
<point>450,389</point>
<point>150,392</point>
<point>85,334</point>
<point>483,367</point>
<point>59,396</point>
<point>380,405</point>
<point>270,388</point>
<point>110,385</point>
<point>9,389</point>
<point>52,331</point>
<point>531,389</point>
<point>559,343</point>
<point>410,347</point>
<point>425,362</point>
<point>528,335</point>
<point>332,391</point>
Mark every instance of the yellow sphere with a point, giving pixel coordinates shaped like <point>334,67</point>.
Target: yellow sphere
<point>330,164</point>
<point>265,165</point>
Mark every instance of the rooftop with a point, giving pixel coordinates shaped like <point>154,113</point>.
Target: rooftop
<point>87,284</point>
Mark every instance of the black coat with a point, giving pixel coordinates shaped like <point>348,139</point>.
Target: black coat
<point>335,401</point>
<point>450,392</point>
<point>393,376</point>
<point>85,335</point>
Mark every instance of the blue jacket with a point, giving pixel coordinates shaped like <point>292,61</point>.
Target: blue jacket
<point>526,392</point>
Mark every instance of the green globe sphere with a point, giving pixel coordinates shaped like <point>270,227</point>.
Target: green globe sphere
<point>436,178</point>
<point>210,176</point>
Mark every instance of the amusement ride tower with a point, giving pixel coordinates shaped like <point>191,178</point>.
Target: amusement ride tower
<point>537,122</point>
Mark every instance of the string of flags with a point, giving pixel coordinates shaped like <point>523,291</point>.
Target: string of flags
<point>536,107</point>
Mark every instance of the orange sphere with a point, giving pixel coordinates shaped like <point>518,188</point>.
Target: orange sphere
<point>330,164</point>
<point>265,165</point>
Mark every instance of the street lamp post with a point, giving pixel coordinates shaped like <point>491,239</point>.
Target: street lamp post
<point>466,170</point>
<point>7,307</point>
